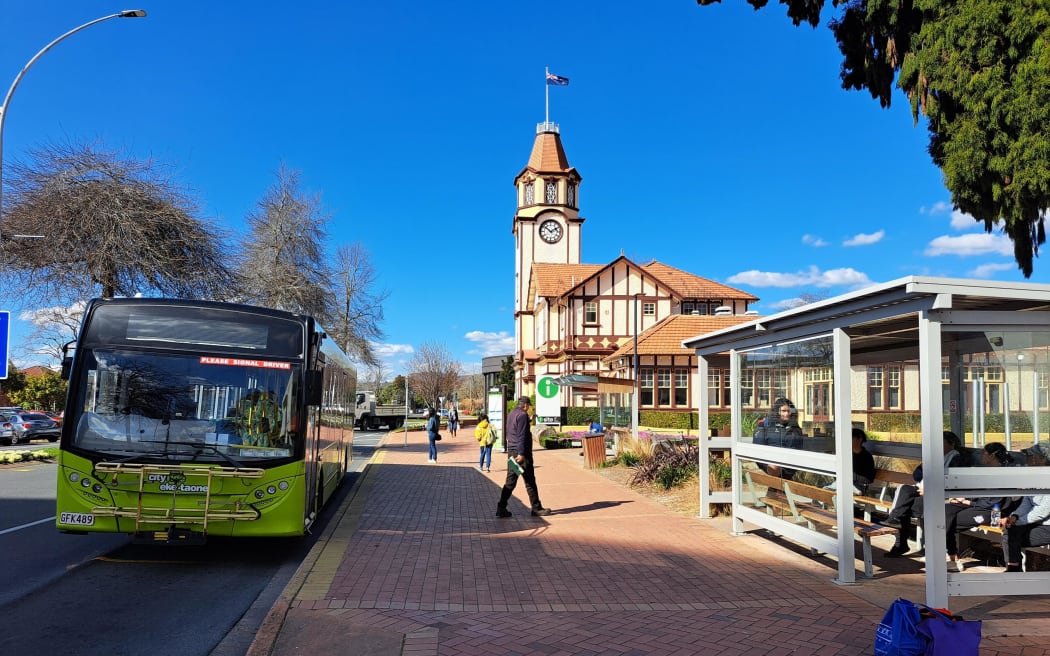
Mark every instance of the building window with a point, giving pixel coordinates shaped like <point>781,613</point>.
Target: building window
<point>893,388</point>
<point>714,305</point>
<point>663,387</point>
<point>876,380</point>
<point>1044,390</point>
<point>572,195</point>
<point>747,389</point>
<point>552,192</point>
<point>590,312</point>
<point>681,388</point>
<point>884,387</point>
<point>645,381</point>
<point>648,309</point>
<point>714,388</point>
<point>687,308</point>
<point>530,193</point>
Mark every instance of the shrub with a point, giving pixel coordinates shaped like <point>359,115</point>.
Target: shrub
<point>721,474</point>
<point>670,464</point>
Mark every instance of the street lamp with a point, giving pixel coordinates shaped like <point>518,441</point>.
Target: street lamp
<point>637,381</point>
<point>127,13</point>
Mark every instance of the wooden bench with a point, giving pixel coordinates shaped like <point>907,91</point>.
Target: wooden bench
<point>811,505</point>
<point>1035,557</point>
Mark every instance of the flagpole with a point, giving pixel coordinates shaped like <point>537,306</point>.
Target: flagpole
<point>547,88</point>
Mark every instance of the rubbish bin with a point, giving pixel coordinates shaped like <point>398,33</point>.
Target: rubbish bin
<point>593,450</point>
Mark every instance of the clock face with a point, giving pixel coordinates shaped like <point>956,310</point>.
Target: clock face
<point>550,231</point>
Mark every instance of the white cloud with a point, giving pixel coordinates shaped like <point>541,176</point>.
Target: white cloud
<point>865,240</point>
<point>787,303</point>
<point>989,270</point>
<point>814,241</point>
<point>963,221</point>
<point>972,244</point>
<point>812,277</point>
<point>940,207</point>
<point>387,351</point>
<point>487,344</point>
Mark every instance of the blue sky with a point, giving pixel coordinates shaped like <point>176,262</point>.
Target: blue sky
<point>714,139</point>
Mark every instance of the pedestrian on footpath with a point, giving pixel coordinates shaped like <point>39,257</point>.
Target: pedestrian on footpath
<point>519,446</point>
<point>453,420</point>
<point>433,426</point>
<point>486,437</point>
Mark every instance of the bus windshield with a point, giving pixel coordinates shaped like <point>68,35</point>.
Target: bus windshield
<point>186,407</point>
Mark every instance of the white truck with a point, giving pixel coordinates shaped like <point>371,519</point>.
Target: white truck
<point>370,415</point>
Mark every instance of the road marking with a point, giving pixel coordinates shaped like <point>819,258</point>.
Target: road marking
<point>19,528</point>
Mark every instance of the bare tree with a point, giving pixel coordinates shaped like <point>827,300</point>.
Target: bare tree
<point>434,372</point>
<point>112,225</point>
<point>358,305</point>
<point>283,264</point>
<point>53,328</point>
<point>376,377</point>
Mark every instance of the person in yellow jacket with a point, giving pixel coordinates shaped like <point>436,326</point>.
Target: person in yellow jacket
<point>485,437</point>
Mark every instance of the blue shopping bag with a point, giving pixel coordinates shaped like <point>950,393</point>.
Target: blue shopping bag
<point>949,635</point>
<point>898,633</point>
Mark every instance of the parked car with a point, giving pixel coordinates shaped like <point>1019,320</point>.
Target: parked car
<point>33,426</point>
<point>7,434</point>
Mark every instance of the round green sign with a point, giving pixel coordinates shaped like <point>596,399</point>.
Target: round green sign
<point>547,388</point>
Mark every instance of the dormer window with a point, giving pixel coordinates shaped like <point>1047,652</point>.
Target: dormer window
<point>530,193</point>
<point>552,192</point>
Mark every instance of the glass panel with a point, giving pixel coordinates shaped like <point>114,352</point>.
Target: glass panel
<point>182,407</point>
<point>797,376</point>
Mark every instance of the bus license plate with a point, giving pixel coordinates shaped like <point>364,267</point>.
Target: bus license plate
<point>77,519</point>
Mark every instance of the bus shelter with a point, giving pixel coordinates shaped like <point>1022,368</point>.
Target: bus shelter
<point>905,361</point>
<point>614,396</point>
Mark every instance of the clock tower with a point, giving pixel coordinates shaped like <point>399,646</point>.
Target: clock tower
<point>547,223</point>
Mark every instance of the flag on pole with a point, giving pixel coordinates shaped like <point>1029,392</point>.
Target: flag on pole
<point>557,80</point>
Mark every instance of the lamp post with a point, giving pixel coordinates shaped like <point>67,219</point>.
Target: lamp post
<point>127,13</point>
<point>637,380</point>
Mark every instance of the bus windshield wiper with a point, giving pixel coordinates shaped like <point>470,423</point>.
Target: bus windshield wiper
<point>200,448</point>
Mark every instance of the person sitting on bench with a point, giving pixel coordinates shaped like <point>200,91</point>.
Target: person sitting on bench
<point>1029,524</point>
<point>963,514</point>
<point>781,429</point>
<point>907,500</point>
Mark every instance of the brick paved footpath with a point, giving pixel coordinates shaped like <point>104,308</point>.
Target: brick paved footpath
<point>415,562</point>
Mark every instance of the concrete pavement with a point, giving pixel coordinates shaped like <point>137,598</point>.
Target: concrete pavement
<point>416,563</point>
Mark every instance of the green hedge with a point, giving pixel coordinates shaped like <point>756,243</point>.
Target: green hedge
<point>902,422</point>
<point>581,416</point>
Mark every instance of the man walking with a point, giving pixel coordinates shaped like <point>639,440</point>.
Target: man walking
<point>519,447</point>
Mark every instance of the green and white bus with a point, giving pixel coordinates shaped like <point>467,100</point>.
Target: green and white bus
<point>189,419</point>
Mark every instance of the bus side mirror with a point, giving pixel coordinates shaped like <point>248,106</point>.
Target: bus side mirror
<point>67,359</point>
<point>314,386</point>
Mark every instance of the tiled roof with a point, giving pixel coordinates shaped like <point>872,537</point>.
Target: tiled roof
<point>692,286</point>
<point>555,279</point>
<point>37,371</point>
<point>548,154</point>
<point>666,337</point>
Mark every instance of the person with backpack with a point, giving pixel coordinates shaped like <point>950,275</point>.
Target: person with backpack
<point>486,437</point>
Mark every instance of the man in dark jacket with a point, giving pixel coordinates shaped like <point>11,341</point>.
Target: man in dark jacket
<point>519,447</point>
